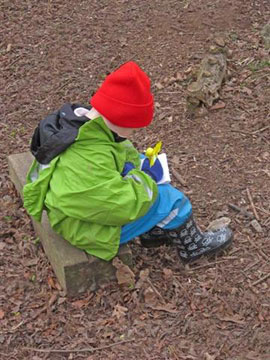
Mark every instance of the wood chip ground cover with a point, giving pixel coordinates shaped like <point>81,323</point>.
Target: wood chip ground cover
<point>215,309</point>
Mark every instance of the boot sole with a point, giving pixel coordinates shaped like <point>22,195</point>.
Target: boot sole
<point>155,243</point>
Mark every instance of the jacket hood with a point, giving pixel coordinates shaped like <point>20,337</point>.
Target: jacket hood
<point>56,133</point>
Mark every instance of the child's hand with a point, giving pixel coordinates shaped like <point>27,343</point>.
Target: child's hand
<point>155,171</point>
<point>128,166</point>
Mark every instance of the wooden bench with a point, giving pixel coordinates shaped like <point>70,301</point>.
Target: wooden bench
<point>75,270</point>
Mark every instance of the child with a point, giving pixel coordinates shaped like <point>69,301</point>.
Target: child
<point>87,176</point>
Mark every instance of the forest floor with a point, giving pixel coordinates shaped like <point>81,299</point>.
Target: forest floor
<point>215,309</point>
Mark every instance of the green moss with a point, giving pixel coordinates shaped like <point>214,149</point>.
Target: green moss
<point>259,65</point>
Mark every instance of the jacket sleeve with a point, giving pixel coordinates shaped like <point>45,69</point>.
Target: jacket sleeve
<point>91,189</point>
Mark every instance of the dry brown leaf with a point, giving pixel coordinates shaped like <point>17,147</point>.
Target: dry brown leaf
<point>166,308</point>
<point>218,105</point>
<point>246,91</point>
<point>2,314</point>
<point>8,47</point>
<point>159,86</point>
<point>124,274</point>
<point>144,275</point>
<point>150,296</point>
<point>53,299</point>
<point>31,262</point>
<point>209,357</point>
<point>168,274</point>
<point>119,311</point>
<point>51,282</point>
<point>80,303</point>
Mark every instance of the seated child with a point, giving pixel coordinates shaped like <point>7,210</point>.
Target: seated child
<point>88,177</point>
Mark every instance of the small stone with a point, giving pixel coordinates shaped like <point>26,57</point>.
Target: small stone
<point>159,86</point>
<point>219,223</point>
<point>221,213</point>
<point>229,53</point>
<point>256,226</point>
<point>266,155</point>
<point>201,112</point>
<point>219,41</point>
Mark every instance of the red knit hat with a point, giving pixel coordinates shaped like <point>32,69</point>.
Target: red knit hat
<point>124,97</point>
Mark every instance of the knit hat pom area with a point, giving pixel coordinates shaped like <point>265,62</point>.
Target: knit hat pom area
<point>125,98</point>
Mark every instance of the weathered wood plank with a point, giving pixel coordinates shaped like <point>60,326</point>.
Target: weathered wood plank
<point>75,270</point>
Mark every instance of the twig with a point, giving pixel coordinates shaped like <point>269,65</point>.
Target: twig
<point>14,61</point>
<point>63,85</point>
<point>178,177</point>
<point>254,290</point>
<point>12,329</point>
<point>241,210</point>
<point>259,250</point>
<point>261,130</point>
<point>213,263</point>
<point>263,210</point>
<point>241,132</point>
<point>170,92</point>
<point>7,355</point>
<point>262,279</point>
<point>252,265</point>
<point>155,290</point>
<point>77,350</point>
<point>252,205</point>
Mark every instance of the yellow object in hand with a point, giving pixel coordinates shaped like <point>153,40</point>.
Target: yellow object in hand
<point>152,153</point>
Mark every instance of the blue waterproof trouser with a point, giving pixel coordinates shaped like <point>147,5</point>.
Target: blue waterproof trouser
<point>170,210</point>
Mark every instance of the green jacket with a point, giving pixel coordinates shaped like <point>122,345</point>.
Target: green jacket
<point>86,198</point>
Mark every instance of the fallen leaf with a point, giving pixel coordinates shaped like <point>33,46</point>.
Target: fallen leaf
<point>209,357</point>
<point>144,275</point>
<point>179,76</point>
<point>124,274</point>
<point>61,300</point>
<point>168,274</point>
<point>166,308</point>
<point>150,297</point>
<point>188,71</point>
<point>261,318</point>
<point>31,262</point>
<point>51,282</point>
<point>219,41</point>
<point>267,172</point>
<point>119,311</point>
<point>218,105</point>
<point>8,47</point>
<point>2,314</point>
<point>80,303</point>
<point>247,91</point>
<point>53,299</point>
<point>159,86</point>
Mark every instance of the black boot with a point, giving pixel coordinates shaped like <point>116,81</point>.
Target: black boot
<point>190,242</point>
<point>156,237</point>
